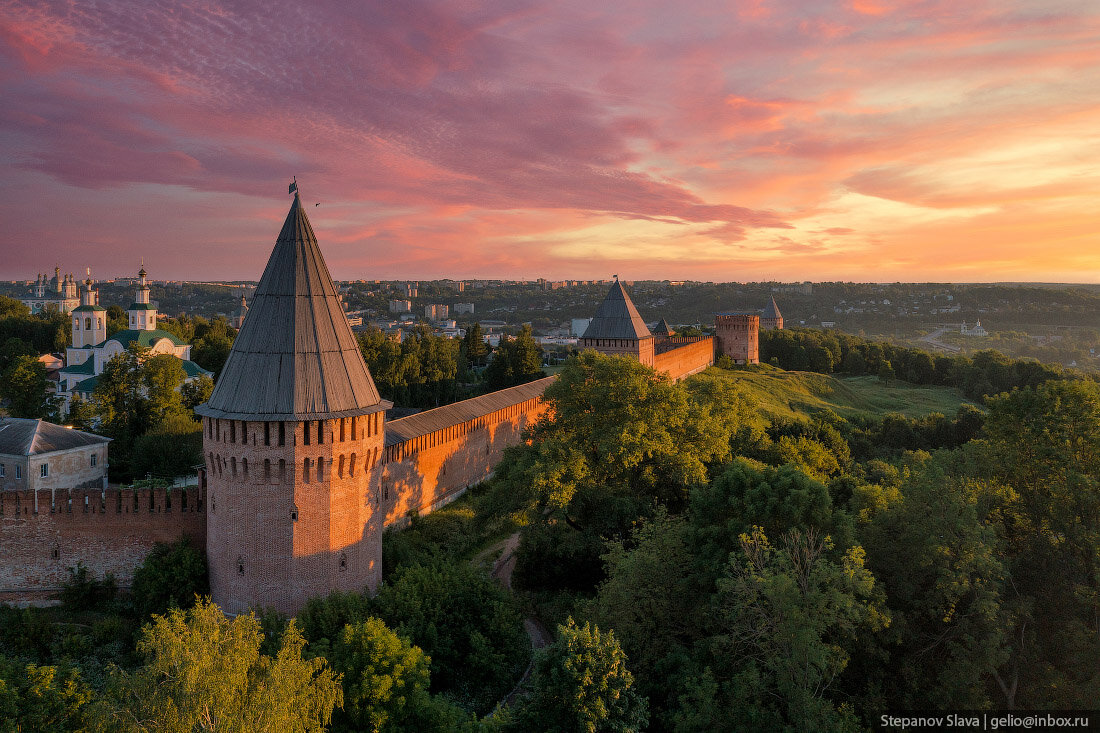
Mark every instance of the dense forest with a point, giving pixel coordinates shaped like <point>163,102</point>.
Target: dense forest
<point>699,567</point>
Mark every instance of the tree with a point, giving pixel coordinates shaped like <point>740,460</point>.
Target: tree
<point>170,576</point>
<point>515,361</point>
<point>466,623</point>
<point>474,347</point>
<point>24,384</point>
<point>81,414</point>
<point>196,391</point>
<point>787,615</point>
<point>385,683</point>
<point>581,683</point>
<point>205,672</point>
<point>173,447</point>
<point>41,698</point>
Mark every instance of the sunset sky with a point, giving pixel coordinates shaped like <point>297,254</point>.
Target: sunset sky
<point>863,140</point>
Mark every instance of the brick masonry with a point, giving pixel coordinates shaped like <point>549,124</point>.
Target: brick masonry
<point>281,523</point>
<point>44,533</point>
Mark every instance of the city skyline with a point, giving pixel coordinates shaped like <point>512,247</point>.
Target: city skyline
<point>865,140</point>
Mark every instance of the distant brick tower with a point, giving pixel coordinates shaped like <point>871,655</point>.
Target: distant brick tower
<point>738,336</point>
<point>618,329</point>
<point>771,319</point>
<point>292,437</point>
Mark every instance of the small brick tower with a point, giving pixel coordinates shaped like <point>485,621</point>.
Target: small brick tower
<point>738,336</point>
<point>618,329</point>
<point>771,319</point>
<point>293,436</point>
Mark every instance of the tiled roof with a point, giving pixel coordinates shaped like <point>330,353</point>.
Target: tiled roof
<point>87,367</point>
<point>141,307</point>
<point>87,308</point>
<point>772,310</point>
<point>144,338</point>
<point>25,437</point>
<point>423,423</point>
<point>663,329</point>
<point>192,369</point>
<point>617,318</point>
<point>295,356</point>
<point>86,386</point>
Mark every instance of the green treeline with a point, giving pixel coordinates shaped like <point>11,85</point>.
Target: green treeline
<point>986,373</point>
<point>807,575</point>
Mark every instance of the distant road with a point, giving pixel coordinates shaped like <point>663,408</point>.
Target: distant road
<point>932,340</point>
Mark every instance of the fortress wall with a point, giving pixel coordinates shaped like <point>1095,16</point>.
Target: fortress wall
<point>684,357</point>
<point>433,457</point>
<point>44,533</point>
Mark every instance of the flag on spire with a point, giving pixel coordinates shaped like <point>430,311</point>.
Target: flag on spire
<point>294,186</point>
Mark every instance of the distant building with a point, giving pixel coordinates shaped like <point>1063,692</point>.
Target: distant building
<point>436,311</point>
<point>35,454</point>
<point>662,329</point>
<point>461,308</point>
<point>578,326</point>
<point>411,290</point>
<point>90,351</point>
<point>738,336</point>
<point>57,293</point>
<point>977,330</point>
<point>618,329</point>
<point>771,319</point>
<point>238,318</point>
<point>400,306</point>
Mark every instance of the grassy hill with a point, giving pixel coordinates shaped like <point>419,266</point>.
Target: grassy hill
<point>787,394</point>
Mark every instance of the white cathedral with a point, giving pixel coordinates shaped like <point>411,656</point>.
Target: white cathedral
<point>91,349</point>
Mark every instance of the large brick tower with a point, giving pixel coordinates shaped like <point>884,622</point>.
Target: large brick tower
<point>738,336</point>
<point>293,437</point>
<point>618,329</point>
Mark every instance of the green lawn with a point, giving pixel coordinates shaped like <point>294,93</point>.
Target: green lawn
<point>786,394</point>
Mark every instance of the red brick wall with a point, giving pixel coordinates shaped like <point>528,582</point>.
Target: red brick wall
<point>111,532</point>
<point>434,469</point>
<point>278,539</point>
<point>686,359</point>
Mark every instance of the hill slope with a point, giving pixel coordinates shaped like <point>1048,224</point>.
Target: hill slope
<point>789,394</point>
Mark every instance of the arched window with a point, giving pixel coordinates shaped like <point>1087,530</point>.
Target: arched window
<point>76,324</point>
<point>340,470</point>
<point>305,471</point>
<point>99,323</point>
<point>88,324</point>
<point>352,464</point>
<point>267,470</point>
<point>233,466</point>
<point>282,468</point>
<point>320,469</point>
<point>244,462</point>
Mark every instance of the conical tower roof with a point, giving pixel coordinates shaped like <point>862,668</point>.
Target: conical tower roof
<point>617,318</point>
<point>772,310</point>
<point>663,329</point>
<point>295,357</point>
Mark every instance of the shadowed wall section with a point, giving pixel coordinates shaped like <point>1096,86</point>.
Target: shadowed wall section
<point>44,533</point>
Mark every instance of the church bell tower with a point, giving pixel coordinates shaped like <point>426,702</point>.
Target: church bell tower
<point>293,436</point>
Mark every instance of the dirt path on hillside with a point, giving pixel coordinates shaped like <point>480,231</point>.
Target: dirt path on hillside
<point>538,634</point>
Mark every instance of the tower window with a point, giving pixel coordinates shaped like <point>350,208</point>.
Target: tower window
<point>93,459</point>
<point>244,462</point>
<point>99,323</point>
<point>294,514</point>
<point>88,324</point>
<point>44,470</point>
<point>305,432</point>
<point>282,433</point>
<point>320,432</point>
<point>352,465</point>
<point>232,431</point>
<point>343,561</point>
<point>267,470</point>
<point>233,466</point>
<point>240,565</point>
<point>267,433</point>
<point>305,471</point>
<point>244,432</point>
<point>340,471</point>
<point>320,469</point>
<point>282,468</point>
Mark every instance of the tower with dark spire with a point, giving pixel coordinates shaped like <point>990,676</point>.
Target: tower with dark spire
<point>89,319</point>
<point>292,435</point>
<point>771,319</point>
<point>618,329</point>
